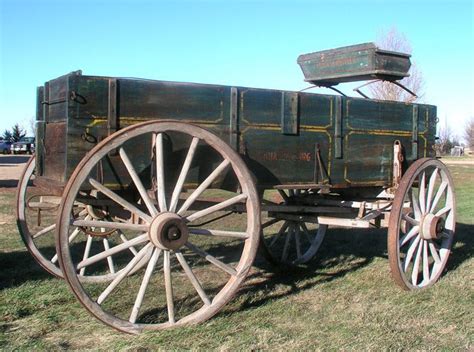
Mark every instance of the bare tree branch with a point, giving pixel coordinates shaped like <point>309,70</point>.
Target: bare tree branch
<point>469,132</point>
<point>395,41</point>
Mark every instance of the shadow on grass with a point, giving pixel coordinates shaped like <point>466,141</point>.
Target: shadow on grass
<point>8,183</point>
<point>19,267</point>
<point>343,251</point>
<point>463,247</point>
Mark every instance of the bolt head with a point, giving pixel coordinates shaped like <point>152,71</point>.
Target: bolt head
<point>173,233</point>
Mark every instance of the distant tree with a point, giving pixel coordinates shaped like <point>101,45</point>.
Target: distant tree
<point>395,41</point>
<point>17,133</point>
<point>455,141</point>
<point>7,135</point>
<point>446,140</point>
<point>469,132</point>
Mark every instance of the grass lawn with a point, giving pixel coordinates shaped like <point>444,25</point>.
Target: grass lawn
<point>343,299</point>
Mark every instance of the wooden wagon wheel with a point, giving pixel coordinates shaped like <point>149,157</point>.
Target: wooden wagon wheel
<point>38,236</point>
<point>422,224</point>
<point>36,219</point>
<point>197,256</point>
<point>292,241</point>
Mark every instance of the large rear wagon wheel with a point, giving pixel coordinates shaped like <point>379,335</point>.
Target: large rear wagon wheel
<point>197,238</point>
<point>422,224</point>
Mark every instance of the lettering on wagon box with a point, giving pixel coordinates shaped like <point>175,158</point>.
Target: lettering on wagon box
<point>284,155</point>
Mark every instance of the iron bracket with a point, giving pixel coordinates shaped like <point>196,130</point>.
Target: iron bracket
<point>328,87</point>
<point>397,164</point>
<point>398,84</point>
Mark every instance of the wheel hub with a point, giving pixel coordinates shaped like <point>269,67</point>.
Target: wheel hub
<point>432,227</point>
<point>168,231</point>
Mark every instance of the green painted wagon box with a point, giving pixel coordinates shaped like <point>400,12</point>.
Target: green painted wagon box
<point>284,137</point>
<point>353,63</point>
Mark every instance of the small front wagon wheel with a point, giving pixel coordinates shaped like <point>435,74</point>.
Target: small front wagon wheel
<point>422,224</point>
<point>194,228</point>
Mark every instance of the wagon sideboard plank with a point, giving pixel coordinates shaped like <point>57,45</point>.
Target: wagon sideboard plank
<point>280,135</point>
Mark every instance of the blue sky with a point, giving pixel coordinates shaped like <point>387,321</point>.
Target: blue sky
<point>245,43</point>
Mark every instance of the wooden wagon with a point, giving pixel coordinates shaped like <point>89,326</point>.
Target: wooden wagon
<point>158,193</point>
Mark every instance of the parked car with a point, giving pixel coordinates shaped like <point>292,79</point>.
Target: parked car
<point>5,146</point>
<point>24,145</point>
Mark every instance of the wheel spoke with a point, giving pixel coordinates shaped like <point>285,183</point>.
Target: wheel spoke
<point>123,273</point>
<point>86,253</point>
<point>443,210</point>
<point>119,200</point>
<point>138,183</point>
<point>232,234</point>
<point>203,186</point>
<point>434,252</point>
<point>216,207</point>
<point>146,279</point>
<point>110,261</point>
<point>225,267</point>
<point>82,213</point>
<point>194,280</point>
<point>413,232</point>
<point>168,286</point>
<point>114,250</point>
<point>283,195</point>
<point>431,186</point>
<point>282,230</point>
<point>410,220</point>
<point>286,247</point>
<point>426,263</point>
<point>416,264</point>
<point>416,207</point>
<point>440,192</point>
<point>184,172</point>
<point>306,232</point>
<point>160,172</point>
<point>422,193</point>
<point>297,241</point>
<point>44,231</point>
<point>410,252</point>
<point>110,225</point>
<point>125,240</point>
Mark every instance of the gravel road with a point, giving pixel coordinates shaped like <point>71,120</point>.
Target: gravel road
<point>11,167</point>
